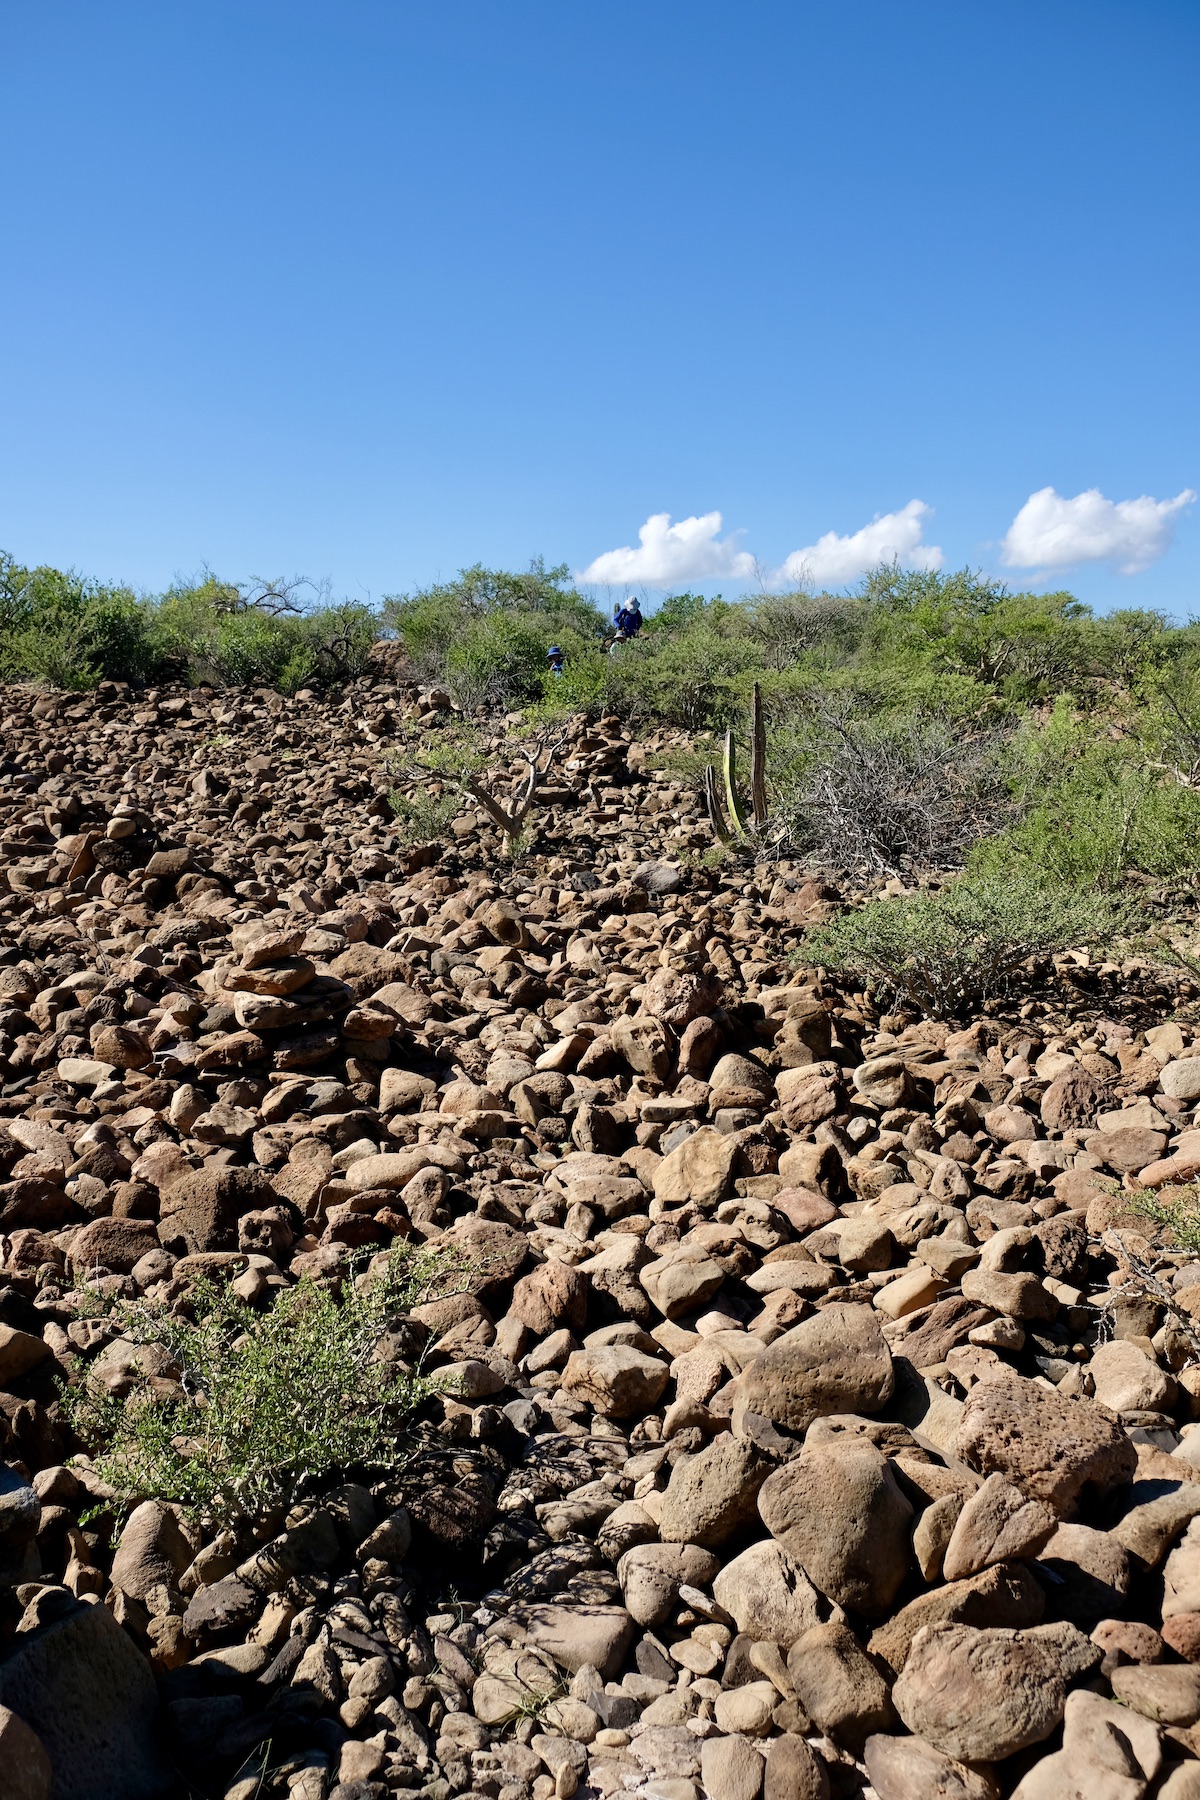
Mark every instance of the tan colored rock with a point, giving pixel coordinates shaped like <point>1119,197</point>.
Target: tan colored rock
<point>1068,1776</point>
<point>731,1769</point>
<point>980,1696</point>
<point>838,1512</point>
<point>1016,1296</point>
<point>747,1708</point>
<point>651,1576</point>
<point>794,1771</point>
<point>552,1295</point>
<point>616,1380</point>
<point>834,1362</point>
<point>1168,1693</point>
<point>737,1081</point>
<point>907,1768</point>
<point>20,1353</point>
<point>997,1523</point>
<point>884,1080</point>
<point>1127,1380</point>
<point>919,1286</point>
<point>125,1046</point>
<point>151,1552</point>
<point>681,1280</point>
<point>1111,1737</point>
<point>396,1168</point>
<point>700,1170</point>
<point>644,1044</point>
<point>710,1495</point>
<point>1181,1080</point>
<point>865,1245</point>
<point>933,1532</point>
<point>1072,1100</point>
<point>839,1687</point>
<point>579,1637</point>
<point>1051,1447</point>
<point>767,1594</point>
<point>677,996</point>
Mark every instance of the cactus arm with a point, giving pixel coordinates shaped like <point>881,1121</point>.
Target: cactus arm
<point>736,811</point>
<point>716,815</point>
<point>758,759</point>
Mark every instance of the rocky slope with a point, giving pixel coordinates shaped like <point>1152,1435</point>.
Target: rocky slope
<point>820,1412</point>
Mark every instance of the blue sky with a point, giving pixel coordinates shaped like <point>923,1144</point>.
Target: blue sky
<point>375,290</point>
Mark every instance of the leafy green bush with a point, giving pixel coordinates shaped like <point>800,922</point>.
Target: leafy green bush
<point>69,632</point>
<point>699,675</point>
<point>1093,803</point>
<point>422,817</point>
<point>947,952</point>
<point>263,1402</point>
<point>487,633</point>
<point>1173,1209</point>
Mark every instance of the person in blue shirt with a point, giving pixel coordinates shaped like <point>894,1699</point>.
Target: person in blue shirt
<point>554,657</point>
<point>628,618</point>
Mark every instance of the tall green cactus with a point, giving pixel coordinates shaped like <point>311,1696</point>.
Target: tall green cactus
<point>743,824</point>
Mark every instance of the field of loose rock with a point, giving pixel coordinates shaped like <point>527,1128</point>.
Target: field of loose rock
<point>818,1411</point>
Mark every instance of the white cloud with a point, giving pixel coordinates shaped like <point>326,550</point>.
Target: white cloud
<point>1051,532</point>
<point>833,559</point>
<point>692,550</point>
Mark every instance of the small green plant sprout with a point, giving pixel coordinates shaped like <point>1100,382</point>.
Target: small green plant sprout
<point>738,822</point>
<point>1174,1209</point>
<point>239,1411</point>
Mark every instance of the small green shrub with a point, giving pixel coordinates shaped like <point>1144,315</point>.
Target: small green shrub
<point>1092,804</point>
<point>265,1402</point>
<point>60,653</point>
<point>422,817</point>
<point>699,676</point>
<point>948,952</point>
<point>69,632</point>
<point>487,633</point>
<point>1174,1209</point>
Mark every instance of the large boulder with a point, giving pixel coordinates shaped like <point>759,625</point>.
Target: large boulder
<point>200,1211</point>
<point>89,1695</point>
<point>1051,1447</point>
<point>836,1508</point>
<point>834,1362</point>
<point>983,1695</point>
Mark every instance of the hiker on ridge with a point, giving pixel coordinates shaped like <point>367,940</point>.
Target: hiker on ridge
<point>628,618</point>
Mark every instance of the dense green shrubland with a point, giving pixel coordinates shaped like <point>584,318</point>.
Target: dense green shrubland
<point>926,721</point>
<point>73,633</point>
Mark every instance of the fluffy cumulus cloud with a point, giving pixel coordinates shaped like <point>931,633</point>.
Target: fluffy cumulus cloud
<point>835,559</point>
<point>668,555</point>
<point>1052,532</point>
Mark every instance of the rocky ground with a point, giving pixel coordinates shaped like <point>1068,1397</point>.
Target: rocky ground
<point>821,1410</point>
